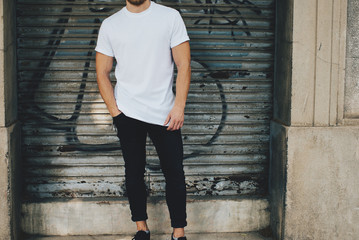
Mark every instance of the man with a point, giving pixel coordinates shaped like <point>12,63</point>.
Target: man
<point>146,39</point>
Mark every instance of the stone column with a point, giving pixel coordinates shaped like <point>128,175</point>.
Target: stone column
<point>351,101</point>
<point>315,128</point>
<point>9,130</point>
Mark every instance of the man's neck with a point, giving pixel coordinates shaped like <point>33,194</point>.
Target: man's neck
<point>137,9</point>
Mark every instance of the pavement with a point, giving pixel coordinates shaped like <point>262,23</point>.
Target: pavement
<point>193,236</point>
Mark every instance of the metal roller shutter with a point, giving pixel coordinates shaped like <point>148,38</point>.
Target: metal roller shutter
<point>69,146</point>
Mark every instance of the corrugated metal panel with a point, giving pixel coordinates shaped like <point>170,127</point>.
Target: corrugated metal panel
<point>69,146</point>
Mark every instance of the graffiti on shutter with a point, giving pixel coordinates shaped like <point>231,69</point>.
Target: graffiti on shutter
<point>69,146</point>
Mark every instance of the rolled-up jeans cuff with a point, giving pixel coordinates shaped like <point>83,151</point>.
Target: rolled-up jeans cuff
<point>178,225</point>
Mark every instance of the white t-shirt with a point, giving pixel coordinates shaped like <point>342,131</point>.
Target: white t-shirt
<point>141,43</point>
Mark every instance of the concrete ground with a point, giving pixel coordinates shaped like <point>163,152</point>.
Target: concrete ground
<point>193,236</point>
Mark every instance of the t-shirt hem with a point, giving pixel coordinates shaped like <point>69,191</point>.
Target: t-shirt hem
<point>180,41</point>
<point>140,118</point>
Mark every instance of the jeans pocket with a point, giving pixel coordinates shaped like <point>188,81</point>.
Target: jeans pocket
<point>116,118</point>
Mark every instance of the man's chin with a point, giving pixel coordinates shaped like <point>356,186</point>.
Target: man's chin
<point>136,2</point>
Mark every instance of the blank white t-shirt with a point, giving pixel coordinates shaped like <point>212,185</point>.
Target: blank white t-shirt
<point>141,43</point>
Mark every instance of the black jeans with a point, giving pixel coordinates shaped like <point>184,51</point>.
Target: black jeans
<point>132,134</point>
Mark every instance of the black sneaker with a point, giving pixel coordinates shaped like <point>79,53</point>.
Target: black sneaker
<point>141,235</point>
<point>180,238</point>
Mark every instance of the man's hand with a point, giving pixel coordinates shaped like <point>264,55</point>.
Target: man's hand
<point>175,118</point>
<point>115,113</point>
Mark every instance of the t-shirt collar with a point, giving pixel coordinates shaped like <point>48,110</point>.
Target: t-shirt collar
<point>132,14</point>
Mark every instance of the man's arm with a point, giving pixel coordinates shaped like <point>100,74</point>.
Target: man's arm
<point>103,68</point>
<point>182,58</point>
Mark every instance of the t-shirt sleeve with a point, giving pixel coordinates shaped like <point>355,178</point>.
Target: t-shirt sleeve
<point>179,32</point>
<point>103,42</point>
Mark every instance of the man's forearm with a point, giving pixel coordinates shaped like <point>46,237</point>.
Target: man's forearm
<point>182,85</point>
<point>106,91</point>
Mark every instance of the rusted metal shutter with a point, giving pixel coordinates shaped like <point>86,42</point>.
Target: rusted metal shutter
<point>69,146</point>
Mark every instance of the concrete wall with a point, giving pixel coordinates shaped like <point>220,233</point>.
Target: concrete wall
<point>278,176</point>
<point>10,178</point>
<point>9,129</point>
<point>283,59</point>
<point>319,199</point>
<point>322,185</point>
<point>352,62</point>
<point>111,216</point>
<point>315,155</point>
<point>8,83</point>
<point>317,62</point>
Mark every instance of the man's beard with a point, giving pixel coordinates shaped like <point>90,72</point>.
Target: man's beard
<point>136,2</point>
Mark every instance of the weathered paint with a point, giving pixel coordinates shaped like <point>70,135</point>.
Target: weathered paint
<point>69,146</point>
